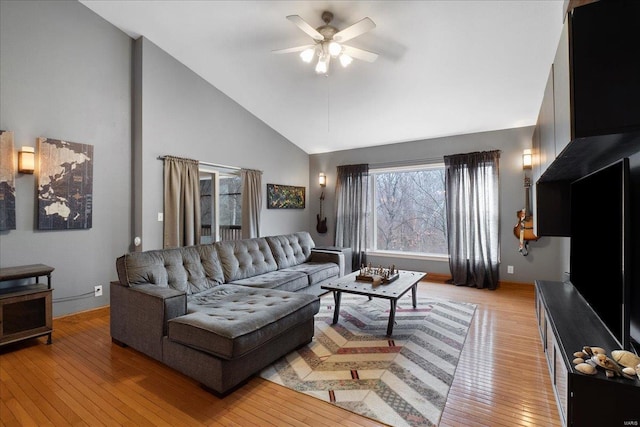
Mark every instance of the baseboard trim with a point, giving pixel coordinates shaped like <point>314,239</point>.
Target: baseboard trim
<point>437,278</point>
<point>444,278</point>
<point>89,313</point>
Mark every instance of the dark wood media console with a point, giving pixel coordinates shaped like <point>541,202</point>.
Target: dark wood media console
<point>25,310</point>
<point>567,323</point>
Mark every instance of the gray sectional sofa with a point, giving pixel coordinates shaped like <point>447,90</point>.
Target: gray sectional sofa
<point>221,312</point>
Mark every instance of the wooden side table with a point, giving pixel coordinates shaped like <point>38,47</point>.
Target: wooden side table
<point>26,310</point>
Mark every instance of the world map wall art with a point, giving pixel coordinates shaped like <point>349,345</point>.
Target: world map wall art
<point>65,185</point>
<point>7,183</point>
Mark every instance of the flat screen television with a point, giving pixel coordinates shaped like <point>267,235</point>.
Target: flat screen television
<point>600,245</point>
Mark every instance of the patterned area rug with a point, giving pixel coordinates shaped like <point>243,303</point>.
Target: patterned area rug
<point>403,380</point>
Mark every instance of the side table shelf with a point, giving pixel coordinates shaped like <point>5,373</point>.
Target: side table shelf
<point>26,310</point>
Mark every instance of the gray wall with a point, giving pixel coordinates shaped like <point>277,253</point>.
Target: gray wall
<point>65,73</point>
<point>183,115</point>
<point>68,74</point>
<point>547,257</point>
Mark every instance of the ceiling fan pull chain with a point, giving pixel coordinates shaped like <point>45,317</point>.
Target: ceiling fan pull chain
<point>328,104</point>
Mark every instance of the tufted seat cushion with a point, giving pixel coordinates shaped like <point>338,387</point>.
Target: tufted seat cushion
<point>229,321</point>
<point>283,280</point>
<point>316,272</point>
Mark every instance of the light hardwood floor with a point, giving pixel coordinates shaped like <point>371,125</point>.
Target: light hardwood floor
<point>84,379</point>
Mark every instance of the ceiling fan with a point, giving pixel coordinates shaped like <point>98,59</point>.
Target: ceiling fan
<point>328,42</point>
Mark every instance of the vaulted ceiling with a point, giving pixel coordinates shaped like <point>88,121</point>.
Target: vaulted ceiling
<point>445,67</point>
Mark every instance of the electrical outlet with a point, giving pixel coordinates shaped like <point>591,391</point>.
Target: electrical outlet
<point>97,291</point>
<point>510,269</point>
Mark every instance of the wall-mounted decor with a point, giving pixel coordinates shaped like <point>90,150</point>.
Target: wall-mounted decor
<point>65,185</point>
<point>285,197</point>
<point>26,160</point>
<point>7,182</point>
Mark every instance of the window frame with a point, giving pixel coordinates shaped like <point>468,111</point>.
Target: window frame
<point>435,164</point>
<point>235,176</point>
<point>215,174</point>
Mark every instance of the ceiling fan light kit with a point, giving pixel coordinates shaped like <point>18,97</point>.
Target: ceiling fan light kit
<point>323,65</point>
<point>307,55</point>
<point>345,60</point>
<point>329,43</point>
<point>334,48</point>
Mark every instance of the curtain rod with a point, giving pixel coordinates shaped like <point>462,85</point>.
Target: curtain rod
<point>411,162</point>
<point>216,165</point>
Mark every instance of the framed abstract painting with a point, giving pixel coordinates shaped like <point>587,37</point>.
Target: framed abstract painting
<point>285,197</point>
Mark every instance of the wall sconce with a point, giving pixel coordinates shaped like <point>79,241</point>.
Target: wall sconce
<point>526,159</point>
<point>26,160</point>
<point>322,179</point>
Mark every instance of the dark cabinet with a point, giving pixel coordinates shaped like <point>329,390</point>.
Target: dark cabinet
<point>605,59</point>
<point>25,310</point>
<point>544,152</point>
<point>562,93</point>
<point>566,324</point>
<point>590,113</point>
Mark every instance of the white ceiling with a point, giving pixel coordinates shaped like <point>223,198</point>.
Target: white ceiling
<point>445,67</point>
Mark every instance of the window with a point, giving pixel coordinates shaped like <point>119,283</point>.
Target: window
<point>220,206</point>
<point>408,210</point>
<point>230,201</point>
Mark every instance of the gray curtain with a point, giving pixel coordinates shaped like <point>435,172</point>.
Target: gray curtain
<point>472,198</point>
<point>181,202</point>
<point>351,210</point>
<point>251,202</point>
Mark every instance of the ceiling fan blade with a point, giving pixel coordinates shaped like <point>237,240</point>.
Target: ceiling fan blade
<point>361,54</point>
<point>294,49</point>
<point>360,27</point>
<point>302,24</point>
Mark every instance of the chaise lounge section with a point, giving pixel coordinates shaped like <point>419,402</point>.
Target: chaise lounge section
<point>221,312</point>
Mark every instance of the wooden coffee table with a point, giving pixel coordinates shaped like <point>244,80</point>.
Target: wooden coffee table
<point>391,291</point>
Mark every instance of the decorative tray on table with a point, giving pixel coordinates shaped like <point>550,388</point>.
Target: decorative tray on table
<point>377,275</point>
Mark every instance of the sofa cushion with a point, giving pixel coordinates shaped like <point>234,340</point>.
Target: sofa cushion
<point>190,269</point>
<point>245,258</point>
<point>316,271</point>
<point>291,249</point>
<point>229,321</point>
<point>280,279</point>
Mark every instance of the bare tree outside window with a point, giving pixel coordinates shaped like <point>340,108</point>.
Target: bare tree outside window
<point>206,214</point>
<point>230,201</point>
<point>409,211</point>
<point>206,209</point>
